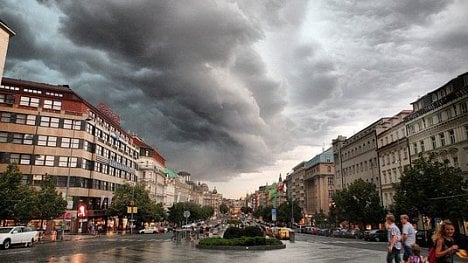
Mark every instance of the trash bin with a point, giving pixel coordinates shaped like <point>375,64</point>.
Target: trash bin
<point>292,236</point>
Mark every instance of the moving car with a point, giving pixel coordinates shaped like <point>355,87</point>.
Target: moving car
<point>375,235</point>
<point>17,235</point>
<point>148,231</point>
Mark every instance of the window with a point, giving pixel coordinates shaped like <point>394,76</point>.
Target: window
<point>39,160</point>
<point>431,121</point>
<point>65,143</point>
<point>54,122</point>
<point>31,120</point>
<point>463,107</point>
<point>6,117</point>
<point>63,161</point>
<point>452,136</point>
<point>14,158</point>
<point>455,162</point>
<point>30,102</point>
<point>20,119</point>
<point>45,121</point>
<point>49,160</point>
<point>439,117</point>
<point>3,136</point>
<point>7,98</point>
<point>67,124</point>
<point>433,140</point>
<point>415,148</point>
<point>17,138</point>
<point>75,143</point>
<point>442,139</point>
<point>405,154</point>
<point>421,143</point>
<point>330,181</point>
<point>76,125</point>
<point>25,159</point>
<point>52,104</point>
<point>28,139</point>
<point>449,114</point>
<point>466,131</point>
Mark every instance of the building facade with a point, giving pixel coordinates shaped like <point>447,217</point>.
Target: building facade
<point>5,34</point>
<point>151,166</point>
<point>438,125</point>
<point>356,157</point>
<point>392,149</point>
<point>319,183</point>
<point>49,129</point>
<point>295,184</point>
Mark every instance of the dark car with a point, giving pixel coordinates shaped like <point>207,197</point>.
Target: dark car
<point>376,235</point>
<point>424,238</point>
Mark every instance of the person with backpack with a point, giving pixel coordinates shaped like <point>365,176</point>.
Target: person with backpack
<point>394,240</point>
<point>444,244</point>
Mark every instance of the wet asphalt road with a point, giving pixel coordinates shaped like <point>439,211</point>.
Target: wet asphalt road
<point>160,248</point>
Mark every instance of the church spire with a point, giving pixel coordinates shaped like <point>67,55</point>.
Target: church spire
<point>280,179</point>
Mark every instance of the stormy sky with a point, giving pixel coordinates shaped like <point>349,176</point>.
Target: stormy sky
<point>238,91</point>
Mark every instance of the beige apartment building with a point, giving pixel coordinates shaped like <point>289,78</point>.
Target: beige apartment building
<point>5,34</point>
<point>151,167</point>
<point>319,183</point>
<point>356,157</point>
<point>439,124</point>
<point>295,184</point>
<point>49,129</point>
<point>393,152</point>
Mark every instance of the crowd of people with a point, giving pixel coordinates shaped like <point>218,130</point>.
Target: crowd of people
<point>404,241</point>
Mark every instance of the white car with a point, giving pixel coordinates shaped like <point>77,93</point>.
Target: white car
<point>148,231</point>
<point>17,235</point>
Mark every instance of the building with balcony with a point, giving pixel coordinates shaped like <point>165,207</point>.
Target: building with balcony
<point>438,125</point>
<point>295,184</point>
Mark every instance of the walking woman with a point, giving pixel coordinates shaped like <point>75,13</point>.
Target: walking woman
<point>444,242</point>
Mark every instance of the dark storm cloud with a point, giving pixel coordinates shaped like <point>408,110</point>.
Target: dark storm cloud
<point>184,76</point>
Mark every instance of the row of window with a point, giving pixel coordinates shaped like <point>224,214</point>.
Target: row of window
<point>391,157</point>
<point>358,150</point>
<point>53,122</point>
<point>391,138</point>
<point>65,161</point>
<point>360,167</point>
<point>440,140</point>
<point>441,116</point>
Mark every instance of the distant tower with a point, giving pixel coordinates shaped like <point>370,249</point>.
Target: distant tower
<point>280,180</point>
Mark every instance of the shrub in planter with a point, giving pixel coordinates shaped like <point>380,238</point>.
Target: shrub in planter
<point>232,232</point>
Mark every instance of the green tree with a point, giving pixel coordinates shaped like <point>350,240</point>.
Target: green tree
<point>432,188</point>
<point>289,210</point>
<point>50,203</point>
<point>126,194</point>
<point>197,212</point>
<point>359,203</point>
<point>17,200</point>
<point>223,208</point>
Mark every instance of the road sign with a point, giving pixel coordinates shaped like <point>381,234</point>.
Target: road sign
<point>273,214</point>
<point>132,210</point>
<point>186,214</point>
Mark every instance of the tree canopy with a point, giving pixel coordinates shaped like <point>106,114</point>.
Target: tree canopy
<point>432,188</point>
<point>197,212</point>
<point>359,203</point>
<point>223,208</point>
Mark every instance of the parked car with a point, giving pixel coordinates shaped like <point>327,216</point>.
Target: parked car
<point>323,232</point>
<point>351,233</point>
<point>148,231</point>
<point>335,232</point>
<point>17,235</point>
<point>376,235</point>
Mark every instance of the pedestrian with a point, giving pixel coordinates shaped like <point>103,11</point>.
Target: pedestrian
<point>408,237</point>
<point>416,255</point>
<point>445,246</point>
<point>394,240</point>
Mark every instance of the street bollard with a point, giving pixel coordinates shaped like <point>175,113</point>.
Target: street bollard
<point>292,236</point>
